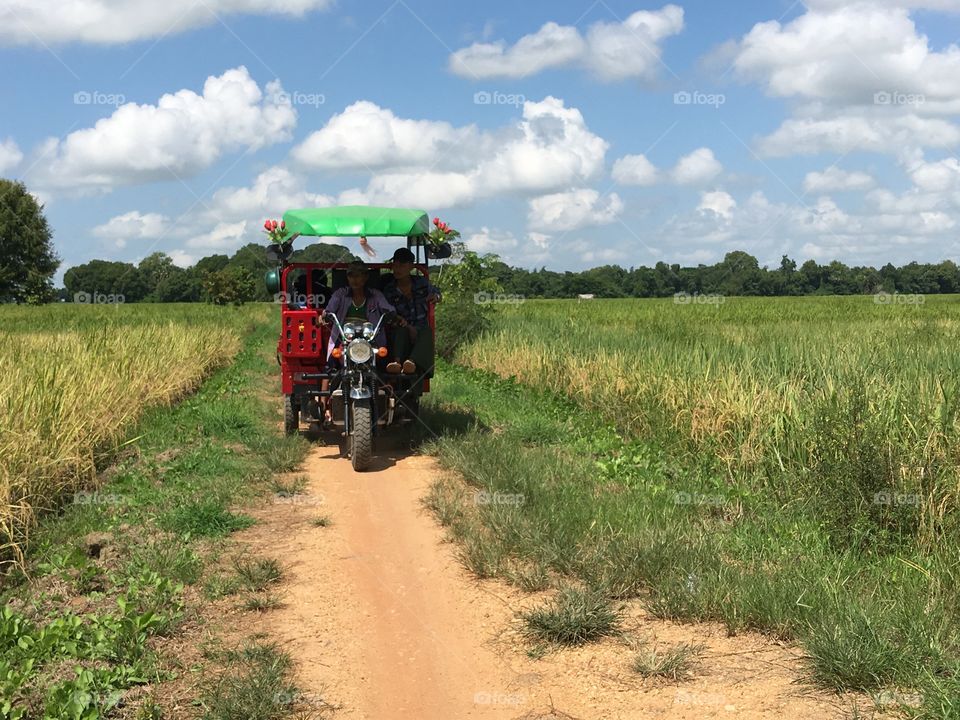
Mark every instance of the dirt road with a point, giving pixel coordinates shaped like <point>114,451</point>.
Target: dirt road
<point>384,623</point>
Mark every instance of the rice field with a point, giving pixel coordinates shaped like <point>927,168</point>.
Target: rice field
<point>74,379</point>
<point>843,399</point>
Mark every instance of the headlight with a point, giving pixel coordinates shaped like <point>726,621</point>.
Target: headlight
<point>368,331</point>
<point>350,331</point>
<point>360,351</point>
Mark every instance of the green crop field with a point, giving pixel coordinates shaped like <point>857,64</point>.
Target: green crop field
<point>74,378</point>
<point>840,397</point>
<point>788,465</point>
<point>783,465</point>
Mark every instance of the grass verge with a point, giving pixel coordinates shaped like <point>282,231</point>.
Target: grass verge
<point>103,619</point>
<point>551,486</point>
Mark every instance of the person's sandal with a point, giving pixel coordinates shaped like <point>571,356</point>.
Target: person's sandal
<point>393,368</point>
<point>409,367</point>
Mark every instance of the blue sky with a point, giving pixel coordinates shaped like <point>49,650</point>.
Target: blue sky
<point>566,134</point>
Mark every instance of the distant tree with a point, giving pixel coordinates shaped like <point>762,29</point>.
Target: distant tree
<point>812,276</point>
<point>947,276</point>
<point>889,276</point>
<point>27,258</point>
<point>739,274</point>
<point>322,253</point>
<point>178,285</point>
<point>230,286</point>
<point>252,257</point>
<point>155,268</point>
<point>838,279</point>
<point>211,263</point>
<point>102,277</point>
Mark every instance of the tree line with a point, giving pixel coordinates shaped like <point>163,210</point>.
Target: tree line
<point>218,278</point>
<point>739,273</point>
<point>239,278</point>
<point>28,263</point>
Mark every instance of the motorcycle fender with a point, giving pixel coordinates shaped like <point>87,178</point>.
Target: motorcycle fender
<point>360,393</point>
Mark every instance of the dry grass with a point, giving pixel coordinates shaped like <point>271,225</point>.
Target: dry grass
<point>803,386</point>
<point>73,381</point>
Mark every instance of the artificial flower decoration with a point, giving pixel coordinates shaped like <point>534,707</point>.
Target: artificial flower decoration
<point>441,232</point>
<point>276,231</point>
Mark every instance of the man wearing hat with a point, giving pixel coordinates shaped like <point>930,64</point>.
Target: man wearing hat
<point>411,343</point>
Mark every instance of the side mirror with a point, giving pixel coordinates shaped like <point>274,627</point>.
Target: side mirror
<point>273,254</point>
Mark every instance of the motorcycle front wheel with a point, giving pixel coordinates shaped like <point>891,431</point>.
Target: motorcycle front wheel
<point>361,436</point>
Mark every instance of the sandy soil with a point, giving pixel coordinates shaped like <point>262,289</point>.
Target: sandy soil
<point>384,623</point>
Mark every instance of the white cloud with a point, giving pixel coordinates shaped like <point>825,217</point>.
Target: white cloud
<point>367,137</point>
<point>541,240</point>
<point>612,51</point>
<point>590,254</point>
<point>833,178</point>
<point>182,259</point>
<point>945,5</point>
<point>617,51</point>
<point>487,240</point>
<point>849,52</point>
<point>573,210</point>
<point>550,148</point>
<point>634,170</point>
<point>121,21</point>
<point>888,228</point>
<point>551,46</point>
<point>224,222</point>
<point>415,189</point>
<point>717,202</point>
<point>272,192</point>
<point>133,225</point>
<point>846,133</point>
<point>534,249</point>
<point>234,215</point>
<point>10,155</point>
<point>697,168</point>
<point>867,78</point>
<point>937,176</point>
<point>181,135</point>
<point>225,236</point>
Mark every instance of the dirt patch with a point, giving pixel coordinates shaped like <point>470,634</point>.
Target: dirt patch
<point>383,622</point>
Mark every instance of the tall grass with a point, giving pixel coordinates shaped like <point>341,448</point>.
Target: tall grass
<point>74,378</point>
<point>842,399</point>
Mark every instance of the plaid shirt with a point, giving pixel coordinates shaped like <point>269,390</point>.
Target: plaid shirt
<point>413,309</point>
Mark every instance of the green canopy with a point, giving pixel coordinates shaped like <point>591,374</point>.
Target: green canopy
<point>356,220</point>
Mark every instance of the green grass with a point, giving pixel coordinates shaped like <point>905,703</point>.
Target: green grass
<point>167,507</point>
<point>841,401</point>
<point>257,573</point>
<point>674,663</point>
<point>207,518</point>
<point>574,617</point>
<point>261,602</point>
<point>255,685</point>
<point>668,524</point>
